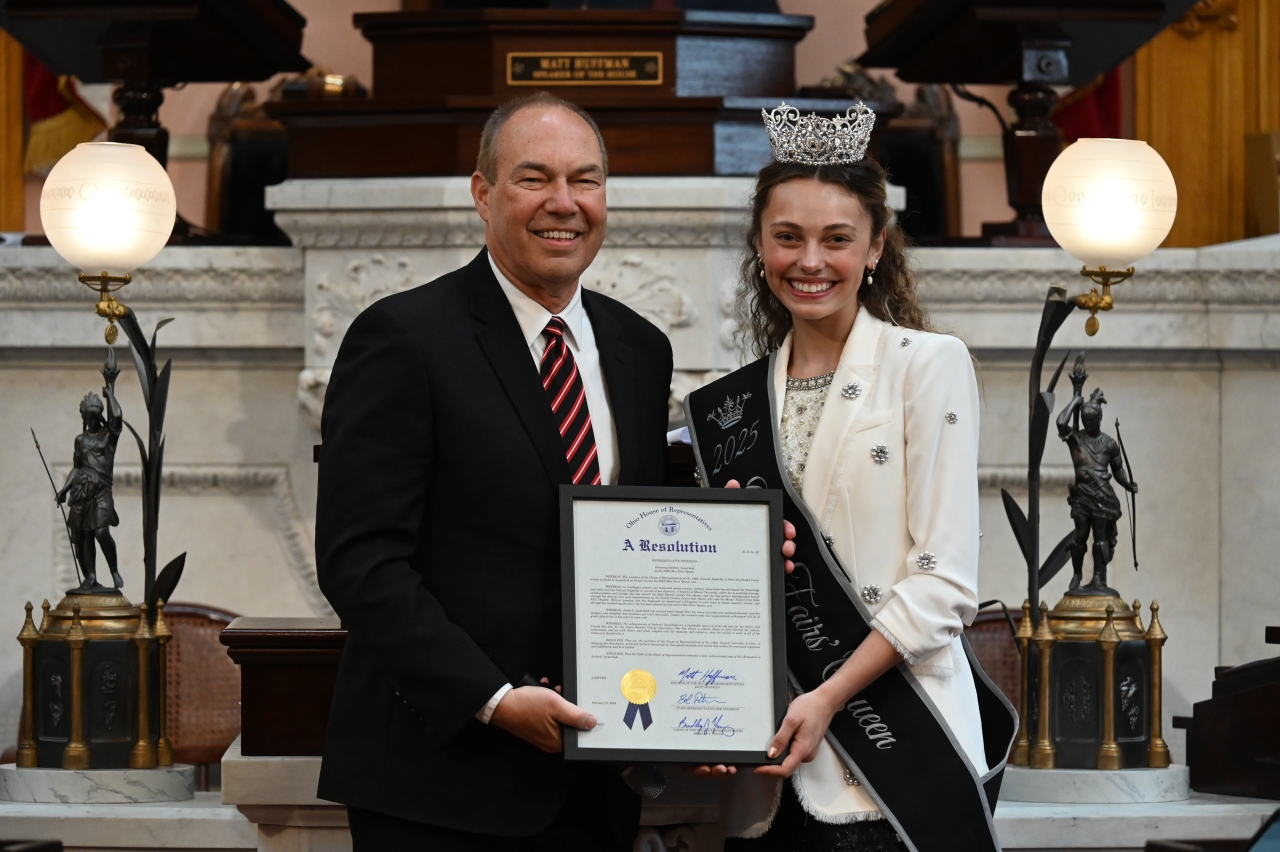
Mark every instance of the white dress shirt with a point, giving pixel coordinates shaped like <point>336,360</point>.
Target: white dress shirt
<point>580,336</point>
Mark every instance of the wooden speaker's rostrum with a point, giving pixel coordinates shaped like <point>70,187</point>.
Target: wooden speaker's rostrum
<point>675,92</point>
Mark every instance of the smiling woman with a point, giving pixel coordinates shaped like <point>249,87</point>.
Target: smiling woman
<point>869,423</point>
<point>844,208</point>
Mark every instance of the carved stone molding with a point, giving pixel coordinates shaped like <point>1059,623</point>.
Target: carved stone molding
<point>727,300</point>
<point>267,480</point>
<point>677,228</point>
<point>463,228</point>
<point>647,288</point>
<point>447,228</point>
<point>338,300</point>
<point>212,284</point>
<point>312,384</point>
<point>1171,287</point>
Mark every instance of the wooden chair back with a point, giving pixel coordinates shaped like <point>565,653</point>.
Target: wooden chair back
<point>996,649</point>
<point>204,684</point>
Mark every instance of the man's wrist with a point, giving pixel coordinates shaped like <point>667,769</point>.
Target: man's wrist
<point>485,713</point>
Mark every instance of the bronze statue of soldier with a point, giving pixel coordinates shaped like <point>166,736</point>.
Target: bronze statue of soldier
<point>1095,509</point>
<point>87,491</point>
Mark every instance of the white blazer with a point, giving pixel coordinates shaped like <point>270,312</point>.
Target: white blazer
<point>892,476</point>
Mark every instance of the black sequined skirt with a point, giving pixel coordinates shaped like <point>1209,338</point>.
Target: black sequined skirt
<point>794,830</point>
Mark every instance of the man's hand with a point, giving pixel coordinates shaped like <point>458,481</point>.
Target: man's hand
<point>535,714</point>
<point>720,770</point>
<point>788,535</point>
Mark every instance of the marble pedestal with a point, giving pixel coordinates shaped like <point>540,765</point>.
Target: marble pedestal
<point>278,795</point>
<point>1096,786</point>
<point>97,786</point>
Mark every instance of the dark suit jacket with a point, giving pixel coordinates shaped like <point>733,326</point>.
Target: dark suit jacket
<point>437,541</point>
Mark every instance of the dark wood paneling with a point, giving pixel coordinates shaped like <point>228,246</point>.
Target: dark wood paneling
<point>674,136</point>
<point>1233,745</point>
<point>464,52</point>
<point>288,669</point>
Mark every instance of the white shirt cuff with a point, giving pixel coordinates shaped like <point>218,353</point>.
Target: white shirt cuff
<point>485,713</point>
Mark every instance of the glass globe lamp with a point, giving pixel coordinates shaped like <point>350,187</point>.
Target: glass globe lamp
<point>1109,203</point>
<point>108,208</point>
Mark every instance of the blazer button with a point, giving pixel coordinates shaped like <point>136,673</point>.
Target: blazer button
<point>880,454</point>
<point>871,593</point>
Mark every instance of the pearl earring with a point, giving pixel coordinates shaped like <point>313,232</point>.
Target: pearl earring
<point>869,271</point>
<point>760,262</point>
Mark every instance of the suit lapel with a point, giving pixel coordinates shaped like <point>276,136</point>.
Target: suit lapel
<point>616,363</point>
<point>857,366</point>
<point>503,344</point>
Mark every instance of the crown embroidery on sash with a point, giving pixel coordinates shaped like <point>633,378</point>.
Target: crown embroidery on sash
<point>731,412</point>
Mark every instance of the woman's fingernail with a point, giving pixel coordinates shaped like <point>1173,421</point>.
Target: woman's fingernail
<point>773,752</point>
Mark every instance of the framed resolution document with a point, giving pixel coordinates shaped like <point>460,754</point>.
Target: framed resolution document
<point>673,630</point>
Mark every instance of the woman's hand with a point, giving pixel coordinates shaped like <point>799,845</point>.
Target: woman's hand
<point>788,550</point>
<point>803,728</point>
<point>788,537</point>
<point>810,714</point>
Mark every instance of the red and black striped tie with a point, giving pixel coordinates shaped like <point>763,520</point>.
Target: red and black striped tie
<point>563,384</point>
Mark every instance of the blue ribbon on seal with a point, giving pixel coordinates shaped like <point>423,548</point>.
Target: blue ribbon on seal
<point>646,718</point>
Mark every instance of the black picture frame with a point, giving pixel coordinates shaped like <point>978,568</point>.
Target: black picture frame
<point>673,495</point>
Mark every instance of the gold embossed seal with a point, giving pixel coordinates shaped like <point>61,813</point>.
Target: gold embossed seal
<point>638,687</point>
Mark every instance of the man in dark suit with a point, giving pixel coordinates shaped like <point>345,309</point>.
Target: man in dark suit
<point>454,412</point>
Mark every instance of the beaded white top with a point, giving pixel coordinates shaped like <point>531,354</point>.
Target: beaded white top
<point>801,410</point>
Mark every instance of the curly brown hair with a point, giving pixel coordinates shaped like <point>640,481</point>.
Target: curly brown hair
<point>763,322</point>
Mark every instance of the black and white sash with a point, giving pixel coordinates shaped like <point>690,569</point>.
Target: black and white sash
<point>901,749</point>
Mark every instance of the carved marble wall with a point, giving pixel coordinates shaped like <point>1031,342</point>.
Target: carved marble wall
<point>670,254</point>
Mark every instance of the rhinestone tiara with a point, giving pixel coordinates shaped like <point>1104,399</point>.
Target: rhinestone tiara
<point>817,141</point>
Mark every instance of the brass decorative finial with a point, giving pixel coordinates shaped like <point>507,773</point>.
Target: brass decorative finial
<point>44,620</point>
<point>1043,633</point>
<point>162,630</point>
<point>1025,630</point>
<point>28,636</point>
<point>1137,614</point>
<point>1155,631</point>
<point>28,633</point>
<point>1109,633</point>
